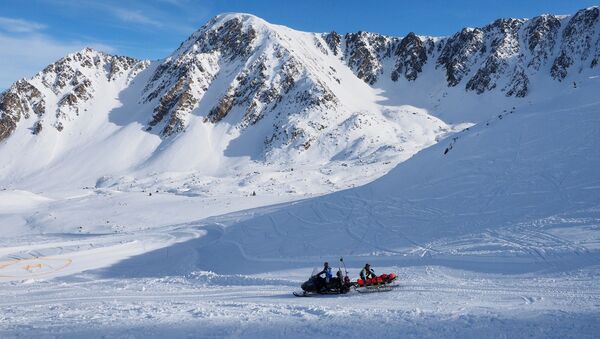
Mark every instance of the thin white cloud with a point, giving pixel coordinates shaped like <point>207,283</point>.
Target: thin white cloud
<point>184,16</point>
<point>133,17</point>
<point>177,3</point>
<point>19,25</point>
<point>116,11</point>
<point>24,56</point>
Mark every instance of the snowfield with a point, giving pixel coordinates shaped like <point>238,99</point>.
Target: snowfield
<point>433,301</point>
<point>487,208</point>
<point>476,256</point>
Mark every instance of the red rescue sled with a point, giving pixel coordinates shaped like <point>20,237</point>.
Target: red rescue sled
<point>380,280</point>
<point>377,284</point>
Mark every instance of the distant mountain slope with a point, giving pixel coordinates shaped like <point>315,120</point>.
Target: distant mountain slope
<point>240,88</point>
<point>506,55</point>
<point>523,185</point>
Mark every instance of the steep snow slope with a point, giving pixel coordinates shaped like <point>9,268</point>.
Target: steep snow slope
<point>168,128</point>
<point>496,237</point>
<point>244,107</point>
<point>238,96</point>
<point>240,91</point>
<point>523,184</point>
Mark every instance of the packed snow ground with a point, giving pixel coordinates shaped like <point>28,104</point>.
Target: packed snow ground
<point>166,292</point>
<point>496,238</point>
<point>433,301</point>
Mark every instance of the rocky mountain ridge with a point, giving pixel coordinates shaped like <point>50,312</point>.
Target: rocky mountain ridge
<point>63,89</point>
<point>478,58</point>
<point>250,68</point>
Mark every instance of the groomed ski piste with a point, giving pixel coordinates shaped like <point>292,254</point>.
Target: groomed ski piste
<point>490,218</point>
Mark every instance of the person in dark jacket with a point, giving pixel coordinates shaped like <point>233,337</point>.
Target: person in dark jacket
<point>367,272</point>
<point>322,281</point>
<point>326,270</point>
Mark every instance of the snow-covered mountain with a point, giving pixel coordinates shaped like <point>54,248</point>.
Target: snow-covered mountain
<point>241,88</point>
<point>518,186</point>
<point>189,196</point>
<point>505,55</point>
<point>238,90</point>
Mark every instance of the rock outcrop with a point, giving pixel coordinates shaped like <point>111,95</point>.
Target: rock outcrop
<point>254,69</point>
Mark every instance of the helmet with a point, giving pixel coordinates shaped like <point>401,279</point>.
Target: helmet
<point>326,264</point>
<point>367,265</point>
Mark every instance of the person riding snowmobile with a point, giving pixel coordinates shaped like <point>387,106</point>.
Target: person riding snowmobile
<point>367,272</point>
<point>322,281</point>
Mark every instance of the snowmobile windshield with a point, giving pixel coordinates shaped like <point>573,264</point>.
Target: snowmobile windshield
<point>315,271</point>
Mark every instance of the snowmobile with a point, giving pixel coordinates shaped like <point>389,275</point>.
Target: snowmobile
<point>340,284</point>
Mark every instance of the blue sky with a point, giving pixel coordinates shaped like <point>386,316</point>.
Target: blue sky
<point>34,33</point>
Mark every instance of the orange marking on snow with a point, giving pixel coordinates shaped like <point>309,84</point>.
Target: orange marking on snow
<point>37,264</point>
<point>31,267</point>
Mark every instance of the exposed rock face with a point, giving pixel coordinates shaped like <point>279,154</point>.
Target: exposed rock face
<point>37,128</point>
<point>179,83</point>
<point>411,56</point>
<point>579,41</point>
<point>334,41</point>
<point>259,78</point>
<point>184,77</point>
<point>68,83</point>
<point>364,52</point>
<point>120,65</point>
<point>220,111</point>
<point>499,56</point>
<point>248,89</point>
<point>177,101</point>
<point>519,85</point>
<point>11,109</point>
<point>540,38</point>
<point>503,35</point>
<point>459,54</point>
<point>252,69</point>
<point>22,100</point>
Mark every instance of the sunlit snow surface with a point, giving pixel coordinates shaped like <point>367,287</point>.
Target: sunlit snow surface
<point>499,236</point>
<point>494,231</point>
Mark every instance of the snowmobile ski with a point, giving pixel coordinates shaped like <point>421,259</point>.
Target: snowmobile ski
<point>301,294</point>
<point>314,294</point>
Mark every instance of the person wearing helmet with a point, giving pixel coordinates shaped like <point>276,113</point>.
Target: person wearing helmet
<point>322,281</point>
<point>326,270</point>
<point>367,272</point>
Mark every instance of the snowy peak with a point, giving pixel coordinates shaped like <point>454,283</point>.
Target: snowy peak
<point>62,90</point>
<point>248,65</point>
<point>181,80</point>
<point>540,38</point>
<point>411,56</point>
<point>580,43</point>
<point>242,71</point>
<point>364,53</point>
<point>503,55</point>
<point>230,34</point>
